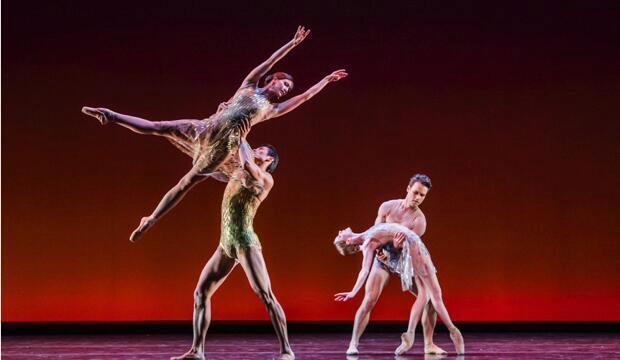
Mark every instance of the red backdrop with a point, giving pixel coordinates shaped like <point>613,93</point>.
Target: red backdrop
<point>513,112</point>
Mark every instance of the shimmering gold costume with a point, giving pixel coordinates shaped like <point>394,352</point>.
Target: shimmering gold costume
<point>210,141</point>
<point>241,200</point>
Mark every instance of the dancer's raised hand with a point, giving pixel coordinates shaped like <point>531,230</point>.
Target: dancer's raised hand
<point>336,75</point>
<point>300,35</point>
<point>245,128</point>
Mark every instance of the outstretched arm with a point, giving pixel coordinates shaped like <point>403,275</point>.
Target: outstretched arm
<point>369,255</point>
<point>262,69</point>
<point>172,197</point>
<point>288,105</point>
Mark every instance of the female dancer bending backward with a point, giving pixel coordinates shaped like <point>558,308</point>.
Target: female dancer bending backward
<point>213,143</point>
<point>415,264</point>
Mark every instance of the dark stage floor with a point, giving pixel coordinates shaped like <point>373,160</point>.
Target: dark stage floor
<point>310,346</point>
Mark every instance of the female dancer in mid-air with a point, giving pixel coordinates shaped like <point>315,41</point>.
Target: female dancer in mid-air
<point>413,264</point>
<point>213,143</point>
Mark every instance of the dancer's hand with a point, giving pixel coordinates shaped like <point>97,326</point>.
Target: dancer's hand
<point>399,240</point>
<point>336,75</point>
<point>344,296</point>
<point>145,224</point>
<point>100,114</point>
<point>245,128</point>
<point>300,35</point>
<point>381,255</point>
<point>222,106</point>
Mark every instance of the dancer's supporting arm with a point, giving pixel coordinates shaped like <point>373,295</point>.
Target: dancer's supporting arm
<point>246,154</point>
<point>369,253</point>
<point>292,103</point>
<point>381,218</point>
<point>172,197</point>
<point>255,75</point>
<point>249,164</point>
<point>382,213</point>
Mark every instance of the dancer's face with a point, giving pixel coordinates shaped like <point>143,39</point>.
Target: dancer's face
<point>416,194</point>
<point>345,242</point>
<point>262,154</point>
<point>348,236</point>
<point>278,88</point>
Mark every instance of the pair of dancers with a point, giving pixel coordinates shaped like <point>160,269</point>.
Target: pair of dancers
<point>393,245</point>
<point>218,149</point>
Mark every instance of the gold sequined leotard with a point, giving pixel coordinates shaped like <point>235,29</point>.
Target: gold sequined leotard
<point>210,141</point>
<point>241,200</point>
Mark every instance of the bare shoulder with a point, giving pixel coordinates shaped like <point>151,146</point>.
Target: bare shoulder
<point>387,206</point>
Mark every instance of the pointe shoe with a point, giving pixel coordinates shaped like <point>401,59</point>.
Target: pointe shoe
<point>287,356</point>
<point>406,343</point>
<point>457,339</point>
<point>352,351</point>
<point>101,114</point>
<point>145,224</point>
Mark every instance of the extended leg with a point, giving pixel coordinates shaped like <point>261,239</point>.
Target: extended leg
<point>429,319</point>
<point>434,290</point>
<point>139,125</point>
<point>172,197</point>
<point>212,276</point>
<point>377,279</point>
<point>251,259</point>
<point>408,337</point>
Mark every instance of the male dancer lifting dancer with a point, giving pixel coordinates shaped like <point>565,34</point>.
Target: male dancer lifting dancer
<point>405,212</point>
<point>213,143</point>
<point>246,189</point>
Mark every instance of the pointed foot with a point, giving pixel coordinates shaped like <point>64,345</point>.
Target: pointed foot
<point>352,351</point>
<point>406,342</point>
<point>457,340</point>
<point>286,356</point>
<point>145,224</point>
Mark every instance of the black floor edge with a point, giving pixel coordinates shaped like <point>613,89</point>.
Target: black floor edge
<point>179,327</point>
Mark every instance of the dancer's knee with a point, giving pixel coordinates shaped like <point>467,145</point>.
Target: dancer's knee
<point>369,302</point>
<point>436,299</point>
<point>200,298</point>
